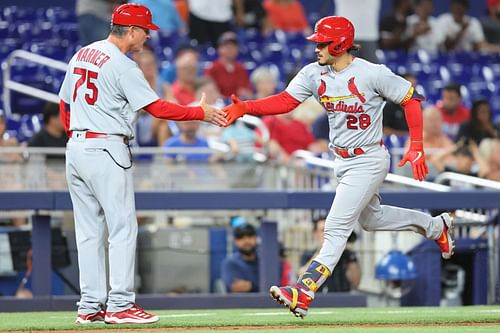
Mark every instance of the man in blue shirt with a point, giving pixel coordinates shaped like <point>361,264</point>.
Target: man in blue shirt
<point>240,271</point>
<point>188,138</point>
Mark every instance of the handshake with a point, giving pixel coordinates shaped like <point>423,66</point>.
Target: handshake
<point>227,115</point>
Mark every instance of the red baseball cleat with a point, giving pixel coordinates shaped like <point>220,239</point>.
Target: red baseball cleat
<point>293,298</point>
<point>92,318</point>
<point>134,315</point>
<point>445,241</point>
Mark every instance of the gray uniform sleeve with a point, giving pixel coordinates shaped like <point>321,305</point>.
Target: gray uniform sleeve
<point>65,91</point>
<point>391,86</point>
<point>136,89</point>
<point>300,87</point>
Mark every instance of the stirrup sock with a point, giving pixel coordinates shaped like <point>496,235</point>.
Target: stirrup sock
<point>314,277</point>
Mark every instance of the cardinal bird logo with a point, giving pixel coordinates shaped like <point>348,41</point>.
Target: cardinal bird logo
<point>322,88</point>
<point>354,90</point>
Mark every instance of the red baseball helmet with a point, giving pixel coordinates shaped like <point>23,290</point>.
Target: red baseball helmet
<point>337,30</point>
<point>133,14</point>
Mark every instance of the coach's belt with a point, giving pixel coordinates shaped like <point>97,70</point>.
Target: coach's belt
<point>351,152</point>
<point>93,135</point>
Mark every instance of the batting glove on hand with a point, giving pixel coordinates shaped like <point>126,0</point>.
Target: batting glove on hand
<point>415,155</point>
<point>235,110</point>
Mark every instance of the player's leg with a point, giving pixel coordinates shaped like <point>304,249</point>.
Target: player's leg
<point>114,189</point>
<point>90,231</point>
<point>116,195</point>
<point>359,179</point>
<point>389,218</point>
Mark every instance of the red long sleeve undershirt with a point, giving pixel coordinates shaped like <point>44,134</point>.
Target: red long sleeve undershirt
<point>413,114</point>
<point>64,116</point>
<point>171,111</point>
<point>159,108</point>
<point>275,104</point>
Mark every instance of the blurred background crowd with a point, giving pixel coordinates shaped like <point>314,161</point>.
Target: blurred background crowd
<point>252,48</point>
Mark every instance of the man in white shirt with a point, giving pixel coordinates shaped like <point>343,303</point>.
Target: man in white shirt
<point>463,32</point>
<point>422,29</point>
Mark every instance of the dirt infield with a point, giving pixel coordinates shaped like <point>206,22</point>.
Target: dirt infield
<point>146,328</point>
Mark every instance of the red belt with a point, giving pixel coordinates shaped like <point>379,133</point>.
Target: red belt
<point>351,152</point>
<point>93,135</point>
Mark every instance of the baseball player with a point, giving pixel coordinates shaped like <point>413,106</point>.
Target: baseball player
<point>352,91</point>
<point>104,90</point>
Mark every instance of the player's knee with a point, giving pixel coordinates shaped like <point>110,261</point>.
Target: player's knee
<point>366,226</point>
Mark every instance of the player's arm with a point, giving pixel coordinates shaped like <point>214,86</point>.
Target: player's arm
<point>415,153</point>
<point>275,104</point>
<point>172,111</point>
<point>64,116</point>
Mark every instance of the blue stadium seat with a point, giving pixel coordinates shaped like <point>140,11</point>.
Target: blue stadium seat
<point>29,125</point>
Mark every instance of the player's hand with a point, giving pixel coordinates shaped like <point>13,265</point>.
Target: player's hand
<point>235,110</point>
<point>415,155</point>
<point>212,114</point>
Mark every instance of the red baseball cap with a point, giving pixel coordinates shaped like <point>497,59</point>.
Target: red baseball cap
<point>133,14</point>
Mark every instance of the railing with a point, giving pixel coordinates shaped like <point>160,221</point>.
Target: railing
<point>469,180</point>
<point>9,84</point>
<point>311,160</point>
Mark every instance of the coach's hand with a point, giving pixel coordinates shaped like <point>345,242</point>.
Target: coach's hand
<point>212,115</point>
<point>415,155</point>
<point>235,110</point>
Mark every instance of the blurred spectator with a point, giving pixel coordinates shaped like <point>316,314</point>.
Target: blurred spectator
<point>421,28</point>
<point>287,276</point>
<point>93,19</point>
<point>393,27</point>
<point>207,86</point>
<point>288,135</point>
<point>366,23</point>
<point>7,141</point>
<point>168,74</point>
<point>347,274</point>
<point>480,125</point>
<point>452,109</point>
<point>434,139</point>
<point>433,135</point>
<point>183,9</point>
<point>230,76</point>
<point>463,32</point>
<point>182,90</point>
<point>286,15</point>
<point>165,14</point>
<point>394,120</point>
<point>209,20</point>
<point>466,157</point>
<point>241,140</point>
<point>249,14</point>
<point>52,133</point>
<point>150,131</point>
<point>491,23</point>
<point>321,131</point>
<point>264,81</point>
<point>490,150</point>
<point>187,137</point>
<point>240,271</point>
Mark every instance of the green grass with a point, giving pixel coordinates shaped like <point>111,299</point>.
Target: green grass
<point>281,319</point>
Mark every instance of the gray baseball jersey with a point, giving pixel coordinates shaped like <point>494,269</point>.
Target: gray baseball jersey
<point>354,98</point>
<point>105,89</point>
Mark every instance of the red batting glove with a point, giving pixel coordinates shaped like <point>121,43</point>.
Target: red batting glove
<point>235,110</point>
<point>415,155</point>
